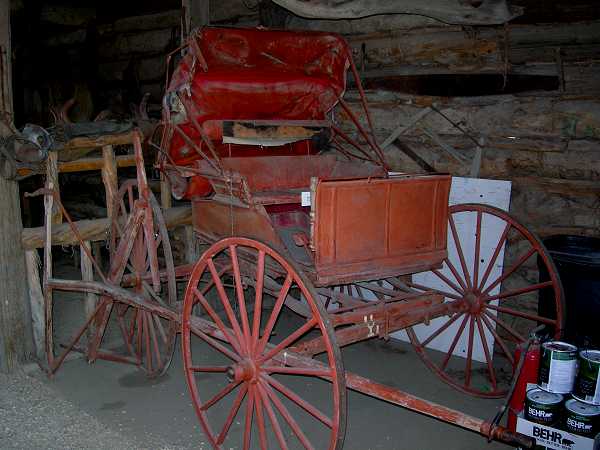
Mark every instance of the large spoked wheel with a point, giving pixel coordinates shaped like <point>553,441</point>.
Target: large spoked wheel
<point>239,333</point>
<point>150,271</point>
<point>495,310</point>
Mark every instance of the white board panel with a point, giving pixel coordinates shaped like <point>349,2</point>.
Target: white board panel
<point>467,190</point>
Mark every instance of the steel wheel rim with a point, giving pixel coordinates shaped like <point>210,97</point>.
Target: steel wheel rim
<point>255,352</point>
<point>148,338</point>
<point>478,317</point>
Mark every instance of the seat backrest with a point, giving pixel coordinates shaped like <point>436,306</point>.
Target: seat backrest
<point>375,228</point>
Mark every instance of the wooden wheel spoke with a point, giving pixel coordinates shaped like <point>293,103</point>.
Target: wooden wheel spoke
<point>441,329</point>
<point>208,369</point>
<point>260,278</point>
<point>227,306</point>
<point>524,315</point>
<point>139,329</point>
<point>124,332</point>
<point>520,291</point>
<point>298,400</point>
<point>446,280</point>
<point>492,261</point>
<point>239,290</point>
<point>146,287</point>
<point>274,314</point>
<point>161,329</point>
<point>486,352</point>
<point>214,316</point>
<point>454,342</point>
<point>232,413</point>
<point>469,361</point>
<point>477,249</point>
<point>219,396</point>
<point>215,344</point>
<point>459,250</point>
<point>248,419</point>
<point>510,271</point>
<point>506,327</point>
<point>147,341</point>
<point>289,340</point>
<point>131,332</point>
<point>287,416</point>
<point>457,277</point>
<point>262,432</point>
<point>154,342</point>
<point>437,291</point>
<point>295,370</point>
<point>272,417</point>
<point>498,339</point>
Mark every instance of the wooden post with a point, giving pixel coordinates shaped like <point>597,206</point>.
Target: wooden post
<point>166,200</point>
<point>87,274</point>
<point>48,298</point>
<point>109,178</point>
<point>52,178</point>
<point>15,327</point>
<point>36,301</point>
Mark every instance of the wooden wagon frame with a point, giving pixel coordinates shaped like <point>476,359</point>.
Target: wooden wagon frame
<point>321,245</point>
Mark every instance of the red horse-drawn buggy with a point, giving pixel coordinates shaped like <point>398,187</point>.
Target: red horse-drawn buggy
<point>309,244</point>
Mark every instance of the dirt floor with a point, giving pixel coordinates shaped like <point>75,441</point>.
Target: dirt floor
<point>107,405</point>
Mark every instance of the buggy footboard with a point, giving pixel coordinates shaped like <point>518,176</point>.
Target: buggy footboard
<point>374,227</point>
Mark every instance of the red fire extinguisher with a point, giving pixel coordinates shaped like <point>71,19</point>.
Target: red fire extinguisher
<point>527,374</point>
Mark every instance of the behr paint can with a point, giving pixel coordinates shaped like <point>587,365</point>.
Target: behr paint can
<point>581,418</point>
<point>543,407</point>
<point>587,386</point>
<point>558,367</point>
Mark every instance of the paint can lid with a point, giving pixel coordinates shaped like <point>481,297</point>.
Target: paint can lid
<point>558,346</point>
<point>583,409</point>
<point>544,397</point>
<point>590,355</point>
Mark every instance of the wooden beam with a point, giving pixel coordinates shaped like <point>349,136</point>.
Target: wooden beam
<point>94,229</point>
<point>85,165</point>
<point>99,141</point>
<point>528,49</point>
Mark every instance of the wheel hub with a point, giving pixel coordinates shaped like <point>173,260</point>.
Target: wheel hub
<point>245,370</point>
<point>474,302</point>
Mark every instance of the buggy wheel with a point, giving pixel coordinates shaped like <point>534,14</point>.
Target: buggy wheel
<point>496,308</point>
<point>239,334</point>
<point>149,270</point>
